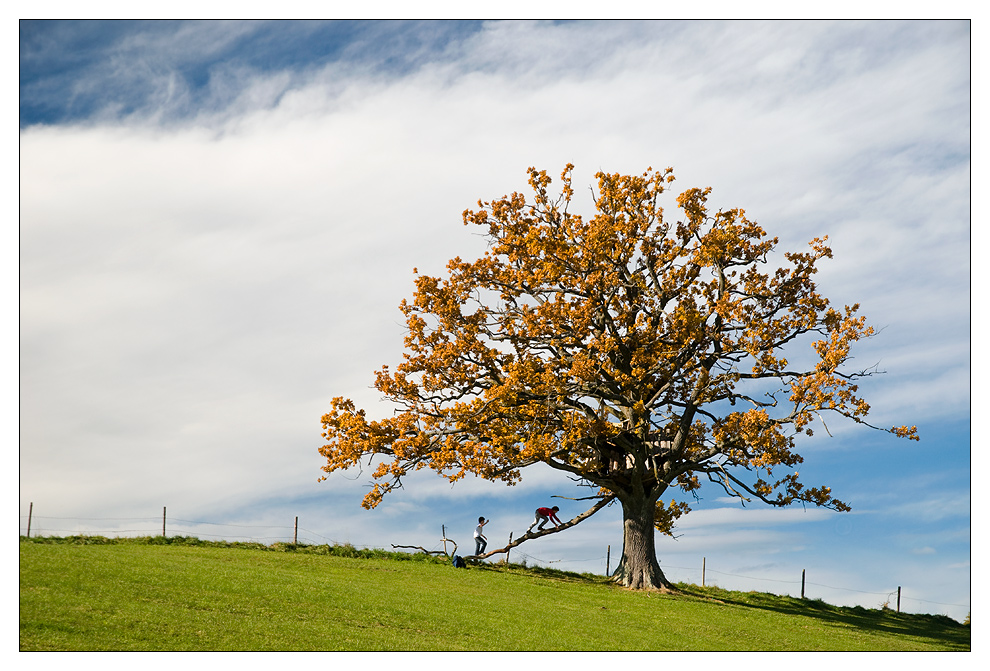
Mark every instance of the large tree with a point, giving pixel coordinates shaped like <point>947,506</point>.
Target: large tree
<point>634,353</point>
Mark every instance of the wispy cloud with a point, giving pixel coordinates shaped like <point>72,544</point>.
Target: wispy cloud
<point>236,222</point>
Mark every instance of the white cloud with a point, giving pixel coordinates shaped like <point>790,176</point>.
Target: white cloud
<point>193,295</point>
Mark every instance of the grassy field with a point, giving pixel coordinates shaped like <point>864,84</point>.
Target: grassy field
<point>99,594</point>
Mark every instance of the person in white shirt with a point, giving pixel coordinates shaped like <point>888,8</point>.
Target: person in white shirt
<point>480,542</point>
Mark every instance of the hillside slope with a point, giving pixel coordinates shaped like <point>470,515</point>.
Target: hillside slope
<point>190,596</point>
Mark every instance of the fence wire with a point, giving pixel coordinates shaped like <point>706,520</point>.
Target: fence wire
<point>515,552</point>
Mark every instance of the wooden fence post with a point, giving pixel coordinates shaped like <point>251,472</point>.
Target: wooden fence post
<point>163,521</point>
<point>802,583</point>
<point>703,559</point>
<point>507,551</point>
<point>608,559</point>
<point>30,511</point>
<point>295,532</point>
<point>898,598</point>
<point>443,535</point>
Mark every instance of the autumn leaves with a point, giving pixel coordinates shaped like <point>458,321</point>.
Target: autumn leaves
<point>574,338</point>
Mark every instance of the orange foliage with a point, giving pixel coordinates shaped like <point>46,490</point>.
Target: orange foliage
<point>633,352</point>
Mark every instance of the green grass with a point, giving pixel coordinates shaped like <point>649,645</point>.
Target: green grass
<point>185,594</point>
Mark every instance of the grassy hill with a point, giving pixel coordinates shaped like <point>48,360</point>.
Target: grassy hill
<point>185,594</point>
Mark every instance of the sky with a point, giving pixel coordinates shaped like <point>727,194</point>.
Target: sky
<point>219,219</point>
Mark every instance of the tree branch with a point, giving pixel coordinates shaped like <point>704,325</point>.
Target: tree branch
<point>421,548</point>
<point>539,534</point>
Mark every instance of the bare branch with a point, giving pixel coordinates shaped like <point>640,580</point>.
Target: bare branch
<point>421,548</point>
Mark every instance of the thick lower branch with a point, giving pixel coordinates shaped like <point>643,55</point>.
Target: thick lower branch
<point>539,534</point>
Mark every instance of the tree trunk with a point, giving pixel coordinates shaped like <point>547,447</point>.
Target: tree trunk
<point>639,568</point>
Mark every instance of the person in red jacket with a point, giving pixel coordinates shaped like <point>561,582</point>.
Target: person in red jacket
<point>543,515</point>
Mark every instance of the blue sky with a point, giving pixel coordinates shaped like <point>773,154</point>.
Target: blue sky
<point>218,221</point>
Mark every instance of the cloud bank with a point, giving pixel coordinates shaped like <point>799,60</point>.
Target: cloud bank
<point>216,233</point>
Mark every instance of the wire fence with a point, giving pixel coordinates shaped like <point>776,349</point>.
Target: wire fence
<point>886,596</point>
<point>269,534</point>
<point>152,526</point>
<point>695,575</point>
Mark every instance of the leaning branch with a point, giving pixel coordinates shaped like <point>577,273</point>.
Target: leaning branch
<point>539,534</point>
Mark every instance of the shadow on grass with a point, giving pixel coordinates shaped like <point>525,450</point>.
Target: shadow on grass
<point>540,572</point>
<point>936,628</point>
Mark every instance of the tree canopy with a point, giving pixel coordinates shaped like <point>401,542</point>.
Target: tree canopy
<point>634,352</point>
